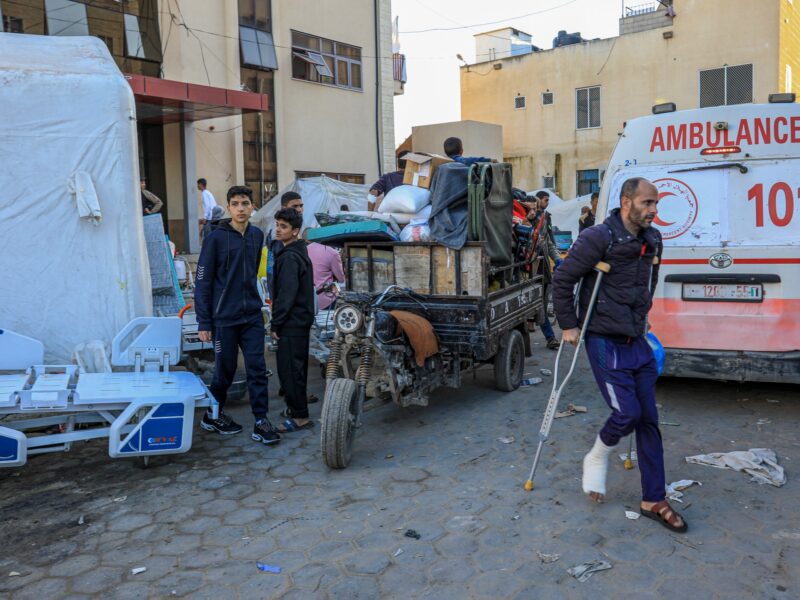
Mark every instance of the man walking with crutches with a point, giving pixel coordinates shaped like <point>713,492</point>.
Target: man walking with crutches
<point>621,359</point>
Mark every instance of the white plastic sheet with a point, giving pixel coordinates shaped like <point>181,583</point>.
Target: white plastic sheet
<point>320,194</point>
<point>67,122</point>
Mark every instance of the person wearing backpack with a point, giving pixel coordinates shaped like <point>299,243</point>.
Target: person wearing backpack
<point>621,359</point>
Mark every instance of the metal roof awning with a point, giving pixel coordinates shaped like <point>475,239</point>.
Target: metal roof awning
<point>161,101</point>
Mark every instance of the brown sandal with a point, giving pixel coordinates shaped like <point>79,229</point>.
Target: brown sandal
<point>664,514</point>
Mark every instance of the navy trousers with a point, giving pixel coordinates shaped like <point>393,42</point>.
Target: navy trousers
<point>292,359</point>
<point>227,341</point>
<point>626,374</point>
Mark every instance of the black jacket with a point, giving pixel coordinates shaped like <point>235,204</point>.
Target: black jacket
<point>293,299</point>
<point>226,292</point>
<point>626,292</point>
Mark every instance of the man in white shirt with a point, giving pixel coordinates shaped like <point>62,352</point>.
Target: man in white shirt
<point>208,201</point>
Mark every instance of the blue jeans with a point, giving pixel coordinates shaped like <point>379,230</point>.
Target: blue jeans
<point>547,327</point>
<point>626,374</point>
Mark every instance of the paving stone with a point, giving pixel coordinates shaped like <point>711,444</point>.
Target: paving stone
<point>177,544</point>
<point>457,545</point>
<point>242,516</point>
<point>73,565</point>
<point>200,525</point>
<point>177,584</point>
<point>131,591</point>
<point>44,588</point>
<point>97,580</point>
<point>447,571</point>
<point>367,563</point>
<point>316,576</point>
<point>354,588</point>
<point>203,557</point>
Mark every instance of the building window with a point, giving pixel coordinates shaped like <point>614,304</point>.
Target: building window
<point>256,14</point>
<point>12,25</point>
<point>726,85</point>
<point>587,181</point>
<point>65,17</point>
<point>346,177</point>
<point>549,181</point>
<point>325,61</point>
<point>258,49</point>
<point>587,107</point>
<point>519,102</point>
<point>547,98</point>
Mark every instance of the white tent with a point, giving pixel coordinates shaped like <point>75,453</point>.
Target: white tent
<point>565,215</point>
<point>555,199</point>
<point>73,261</point>
<point>320,195</point>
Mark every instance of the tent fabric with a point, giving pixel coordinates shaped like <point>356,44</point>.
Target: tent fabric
<point>566,214</point>
<point>72,251</point>
<point>320,195</point>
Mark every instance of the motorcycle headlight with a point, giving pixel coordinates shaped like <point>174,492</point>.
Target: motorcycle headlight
<point>348,319</point>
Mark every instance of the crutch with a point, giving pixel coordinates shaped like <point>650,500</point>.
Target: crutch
<point>601,268</point>
<point>628,464</point>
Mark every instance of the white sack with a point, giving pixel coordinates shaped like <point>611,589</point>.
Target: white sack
<point>67,109</point>
<point>415,233</point>
<point>405,199</point>
<point>420,218</point>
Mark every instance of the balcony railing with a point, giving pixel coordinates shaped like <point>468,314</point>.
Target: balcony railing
<point>641,9</point>
<point>399,61</point>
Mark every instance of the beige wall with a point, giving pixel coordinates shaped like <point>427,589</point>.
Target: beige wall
<point>219,156</point>
<point>789,46</point>
<point>321,127</point>
<point>479,139</point>
<point>635,71</point>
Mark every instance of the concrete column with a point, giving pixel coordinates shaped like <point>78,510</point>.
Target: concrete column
<point>190,216</point>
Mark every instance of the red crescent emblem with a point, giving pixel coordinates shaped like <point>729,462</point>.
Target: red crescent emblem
<point>658,221</point>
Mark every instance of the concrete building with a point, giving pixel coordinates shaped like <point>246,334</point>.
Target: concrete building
<point>254,91</point>
<point>562,110</point>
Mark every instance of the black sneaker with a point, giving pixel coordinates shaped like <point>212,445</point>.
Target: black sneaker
<point>265,433</point>
<point>224,425</point>
<point>553,343</point>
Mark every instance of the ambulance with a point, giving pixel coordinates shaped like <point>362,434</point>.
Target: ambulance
<point>727,304</point>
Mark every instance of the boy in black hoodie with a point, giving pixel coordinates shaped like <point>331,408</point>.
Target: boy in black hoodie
<point>228,308</point>
<point>293,316</point>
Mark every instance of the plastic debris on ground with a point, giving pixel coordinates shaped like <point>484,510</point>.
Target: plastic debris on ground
<point>506,440</point>
<point>531,381</point>
<point>760,463</point>
<point>398,552</point>
<point>412,533</point>
<point>629,514</point>
<point>546,372</point>
<point>137,570</point>
<point>585,570</point>
<point>267,568</point>
<point>121,499</point>
<point>15,574</point>
<point>763,422</point>
<point>81,520</point>
<point>547,558</point>
<point>624,456</point>
<point>675,489</point>
<point>572,409</point>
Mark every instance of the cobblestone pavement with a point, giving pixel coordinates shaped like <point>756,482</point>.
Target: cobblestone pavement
<point>74,525</point>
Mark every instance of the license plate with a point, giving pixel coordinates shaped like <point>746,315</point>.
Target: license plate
<point>723,292</point>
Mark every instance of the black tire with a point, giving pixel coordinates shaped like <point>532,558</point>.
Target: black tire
<point>509,363</point>
<point>338,428</point>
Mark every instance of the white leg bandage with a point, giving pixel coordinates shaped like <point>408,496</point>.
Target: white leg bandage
<point>595,467</point>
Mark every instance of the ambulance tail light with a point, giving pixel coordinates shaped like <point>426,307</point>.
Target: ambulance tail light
<point>781,98</point>
<point>720,150</point>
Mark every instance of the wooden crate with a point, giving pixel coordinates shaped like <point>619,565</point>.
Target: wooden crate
<point>433,269</point>
<point>358,269</point>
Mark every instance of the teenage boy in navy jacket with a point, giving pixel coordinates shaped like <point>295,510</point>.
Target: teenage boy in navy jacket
<point>228,308</point>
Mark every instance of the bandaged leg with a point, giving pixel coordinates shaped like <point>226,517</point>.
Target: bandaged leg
<point>595,469</point>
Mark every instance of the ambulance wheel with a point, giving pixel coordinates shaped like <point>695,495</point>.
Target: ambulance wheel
<point>338,428</point>
<point>509,362</point>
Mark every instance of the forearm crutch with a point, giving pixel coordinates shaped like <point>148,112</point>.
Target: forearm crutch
<point>629,461</point>
<point>555,394</point>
